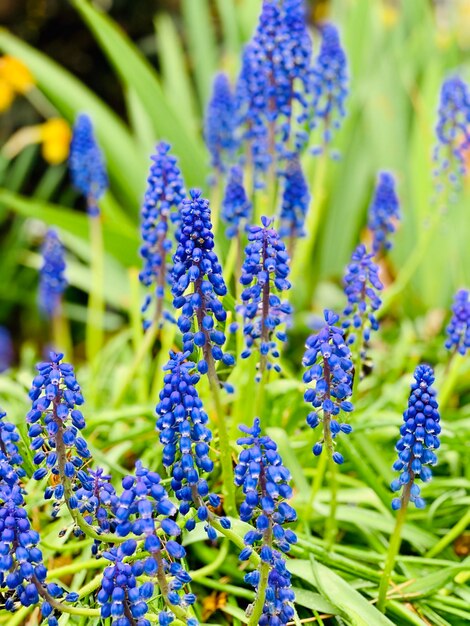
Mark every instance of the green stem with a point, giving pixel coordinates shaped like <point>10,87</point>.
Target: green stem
<point>450,380</point>
<point>393,549</point>
<point>318,481</point>
<point>207,570</point>
<point>61,333</point>
<point>95,320</point>
<point>234,538</point>
<point>64,608</point>
<point>264,570</point>
<point>331,526</point>
<point>451,536</point>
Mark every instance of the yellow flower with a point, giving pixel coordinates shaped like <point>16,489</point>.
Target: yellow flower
<point>14,73</point>
<point>7,96</point>
<point>55,137</point>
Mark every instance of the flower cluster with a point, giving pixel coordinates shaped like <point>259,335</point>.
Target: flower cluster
<point>361,286</point>
<point>458,329</point>
<point>295,201</point>
<point>274,75</point>
<point>6,349</point>
<point>184,433</point>
<point>219,123</point>
<point>265,482</point>
<point>384,211</point>
<point>195,263</point>
<point>52,280</point>
<point>86,164</point>
<point>54,428</point>
<point>329,364</point>
<point>419,437</point>
<point>236,208</point>
<point>453,129</point>
<point>329,83</point>
<point>264,275</point>
<point>165,191</point>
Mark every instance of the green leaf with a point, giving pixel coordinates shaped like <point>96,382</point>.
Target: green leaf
<point>138,74</point>
<point>314,601</point>
<point>431,583</point>
<point>125,164</point>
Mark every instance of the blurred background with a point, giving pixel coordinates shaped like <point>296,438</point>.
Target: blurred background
<point>145,74</point>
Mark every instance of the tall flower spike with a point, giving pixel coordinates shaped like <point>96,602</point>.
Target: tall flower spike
<point>361,286</point>
<point>295,201</point>
<point>274,76</point>
<point>219,123</point>
<point>458,329</point>
<point>236,208</point>
<point>452,130</point>
<point>384,212</point>
<point>329,83</point>
<point>144,509</point>
<point>265,482</point>
<point>6,349</point>
<point>195,263</point>
<point>52,280</point>
<point>329,364</point>
<point>419,438</point>
<point>184,433</point>
<point>54,428</point>
<point>264,275</point>
<point>165,191</point>
<point>86,164</point>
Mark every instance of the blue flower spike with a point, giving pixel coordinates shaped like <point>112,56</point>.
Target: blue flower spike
<point>86,164</point>
<point>330,84</point>
<point>184,433</point>
<point>419,438</point>
<point>295,202</point>
<point>330,368</point>
<point>165,192</point>
<point>219,124</point>
<point>362,286</point>
<point>458,329</point>
<point>264,275</point>
<point>266,489</point>
<point>384,213</point>
<point>236,207</point>
<point>52,281</point>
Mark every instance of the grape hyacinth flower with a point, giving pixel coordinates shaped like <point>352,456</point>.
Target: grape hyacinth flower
<point>458,329</point>
<point>219,123</point>
<point>419,438</point>
<point>361,286</point>
<point>295,202</point>
<point>195,263</point>
<point>384,211</point>
<point>452,129</point>
<point>329,83</point>
<point>6,349</point>
<point>264,275</point>
<point>183,427</point>
<point>165,191</point>
<point>329,364</point>
<point>86,164</point>
<point>52,280</point>
<point>265,482</point>
<point>274,75</point>
<point>236,208</point>
<point>54,428</point>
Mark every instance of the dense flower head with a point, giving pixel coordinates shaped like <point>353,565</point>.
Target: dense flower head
<point>195,263</point>
<point>458,329</point>
<point>165,191</point>
<point>6,349</point>
<point>452,129</point>
<point>419,438</point>
<point>52,282</point>
<point>274,75</point>
<point>264,275</point>
<point>86,163</point>
<point>219,123</point>
<point>184,433</point>
<point>329,364</point>
<point>361,286</point>
<point>236,208</point>
<point>11,462</point>
<point>329,83</point>
<point>384,211</point>
<point>55,423</point>
<point>265,482</point>
<point>295,201</point>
